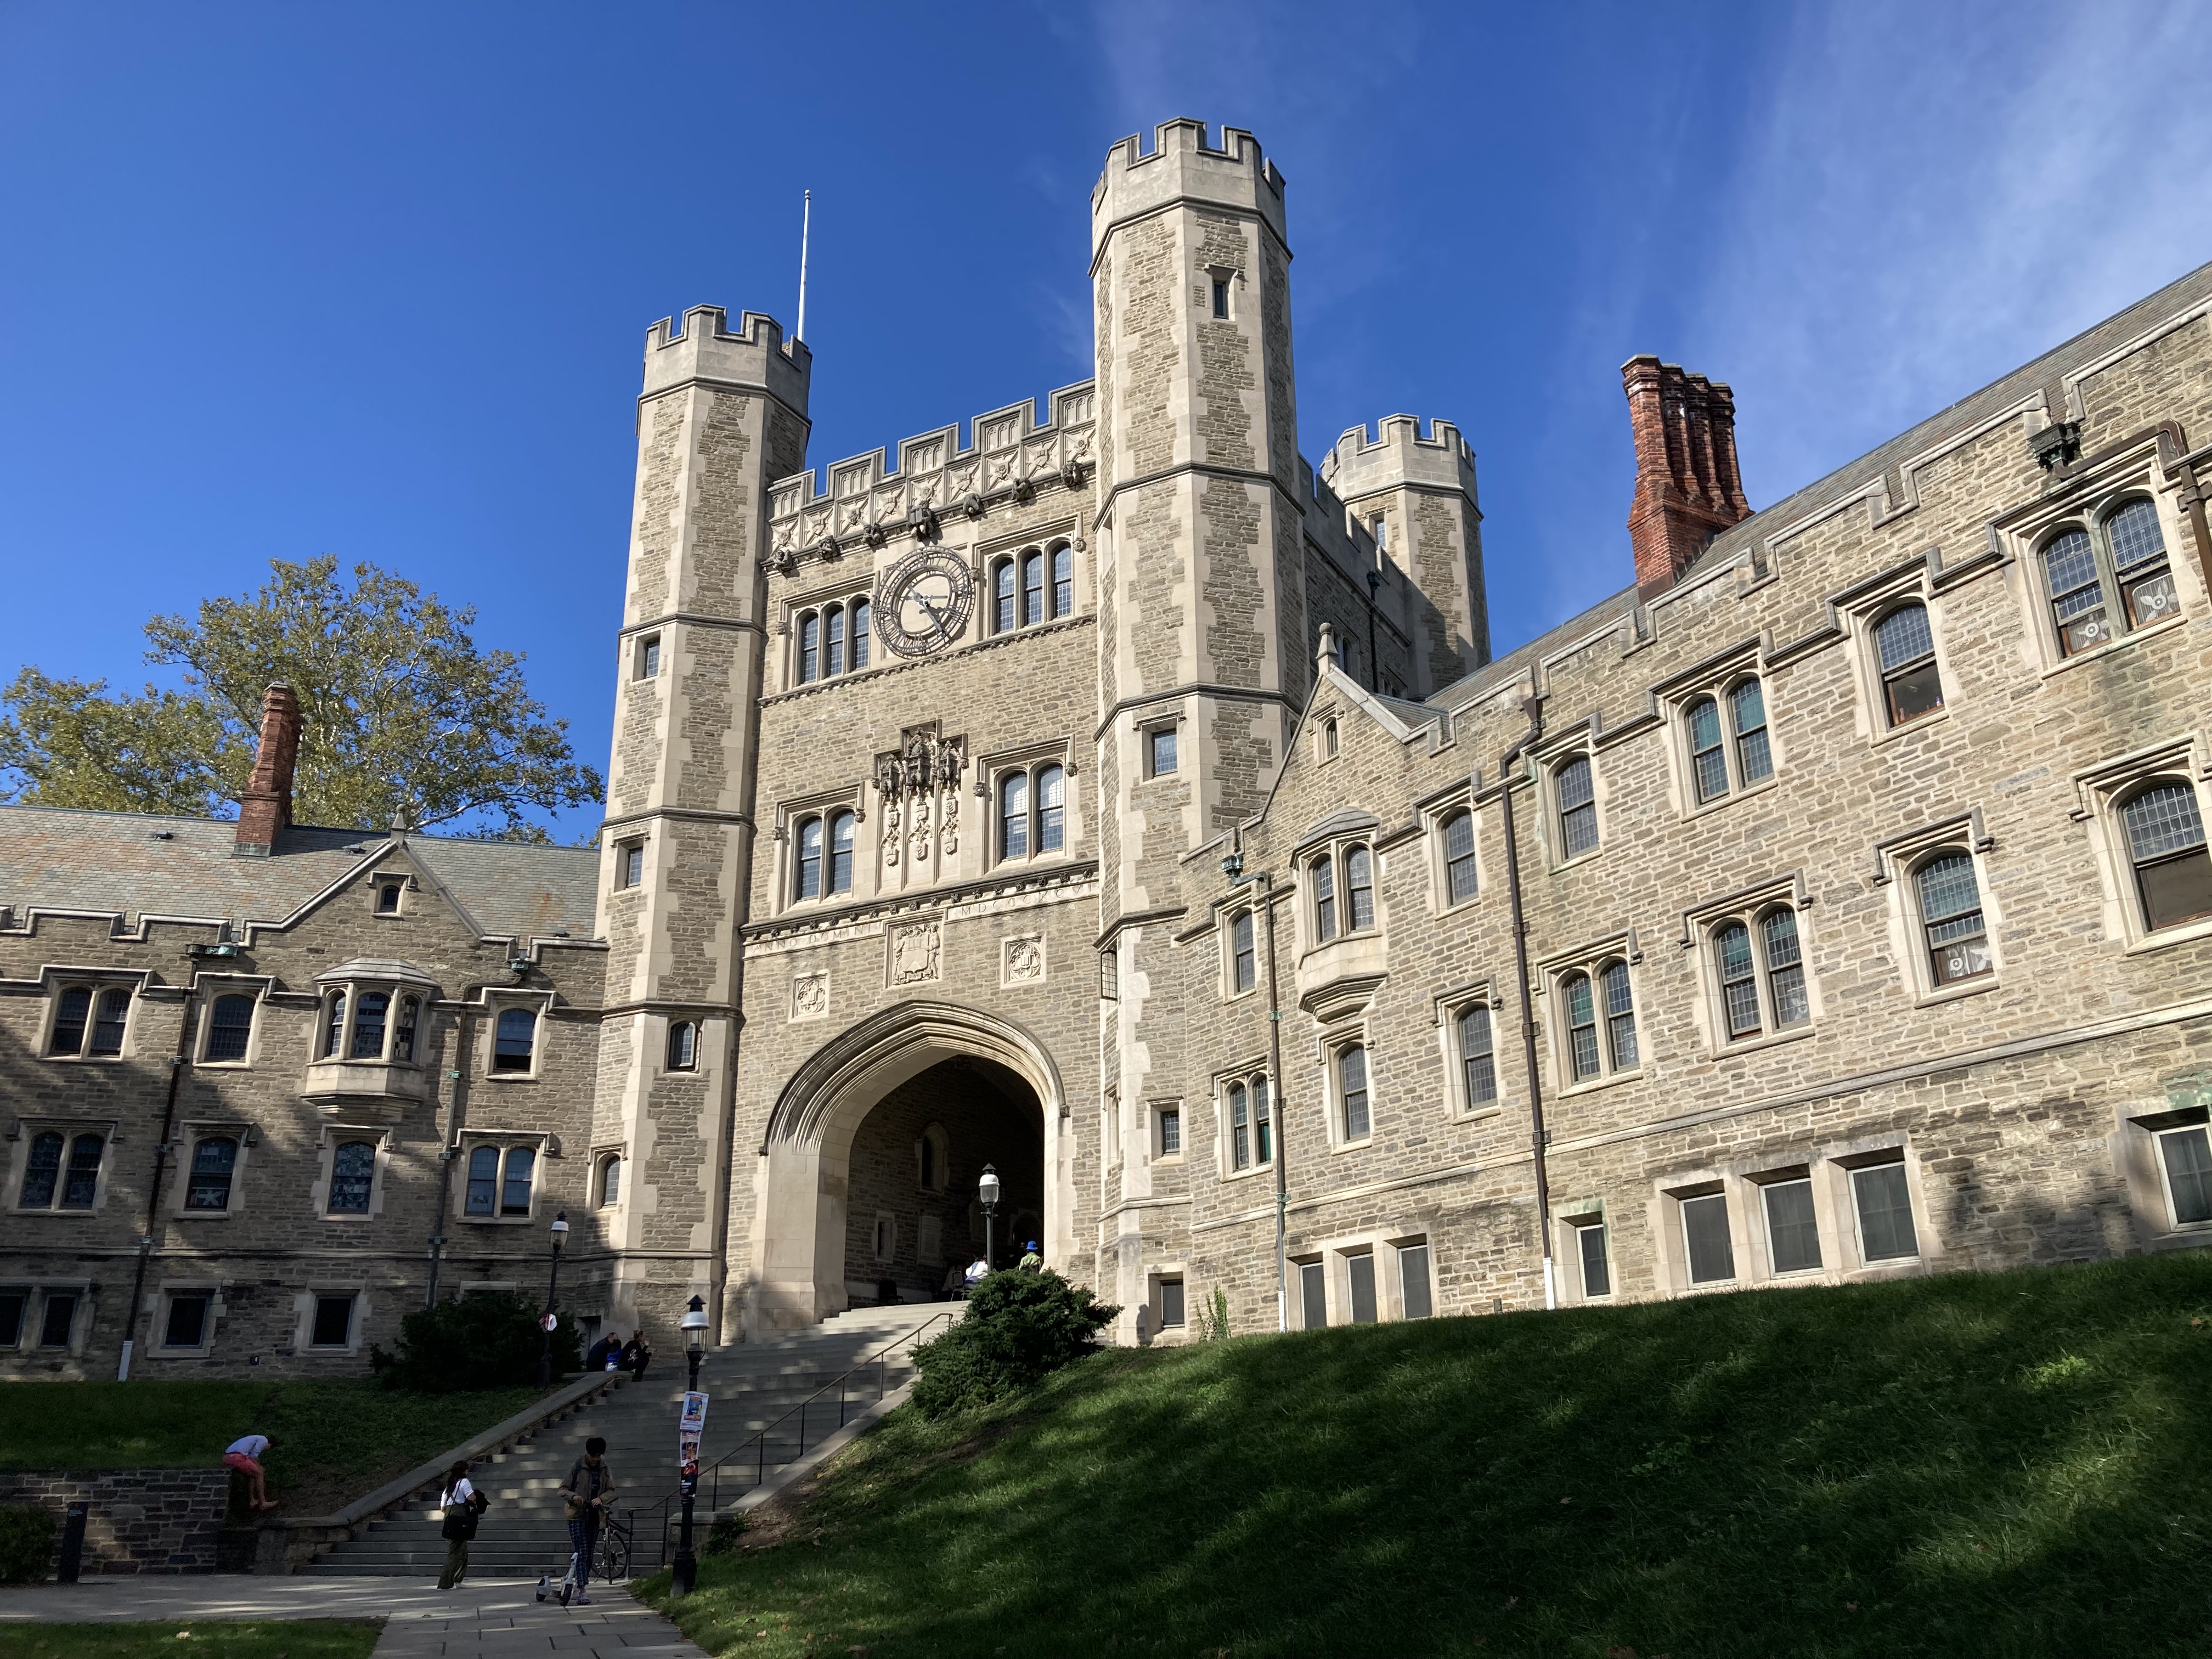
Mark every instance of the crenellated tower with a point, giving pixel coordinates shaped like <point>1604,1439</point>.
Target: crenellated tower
<point>722,413</point>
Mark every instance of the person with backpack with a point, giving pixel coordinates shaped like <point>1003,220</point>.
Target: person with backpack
<point>585,1496</point>
<point>464,1505</point>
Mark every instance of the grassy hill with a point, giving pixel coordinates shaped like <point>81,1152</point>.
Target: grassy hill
<point>1990,1465</point>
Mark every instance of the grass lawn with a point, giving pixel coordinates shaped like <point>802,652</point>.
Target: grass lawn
<point>214,1638</point>
<point>1983,1465</point>
<point>335,1441</point>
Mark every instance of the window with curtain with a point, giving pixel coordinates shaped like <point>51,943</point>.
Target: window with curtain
<point>2166,849</point>
<point>1459,858</point>
<point>353,1172</point>
<point>514,1040</point>
<point>1793,1234</point>
<point>1884,1198</point>
<point>1477,1059</point>
<point>1951,919</point>
<point>1910,683</point>
<point>1705,1238</point>
<point>215,1160</point>
<point>230,1027</point>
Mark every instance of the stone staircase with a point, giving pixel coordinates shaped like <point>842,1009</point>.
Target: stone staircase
<point>752,1386</point>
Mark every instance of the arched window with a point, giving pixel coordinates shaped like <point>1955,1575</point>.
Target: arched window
<point>1459,858</point>
<point>371,1007</point>
<point>2139,562</point>
<point>2166,844</point>
<point>841,853</point>
<point>1951,918</point>
<point>683,1046</point>
<point>2077,591</point>
<point>1352,1091</point>
<point>214,1161</point>
<point>809,648</point>
<point>934,1159</point>
<point>388,899</point>
<point>402,1039</point>
<point>1240,1128</point>
<point>1754,756</point>
<point>1911,684</point>
<point>1620,1014</point>
<point>108,1020</point>
<point>42,1171</point>
<point>1708,755</point>
<point>1478,1063</point>
<point>861,622</point>
<point>230,1027</point>
<point>71,1015</point>
<point>1002,596</point>
<point>1785,967</point>
<point>610,1168</point>
<point>1582,1026</point>
<point>1322,871</point>
<point>1014,816</point>
<point>514,1188</point>
<point>353,1172</point>
<point>833,641</point>
<point>81,1183</point>
<point>517,1037</point>
<point>928,1159</point>
<point>1577,798</point>
<point>334,1028</point>
<point>1051,829</point>
<point>1063,581</point>
<point>1243,958</point>
<point>484,1180</point>
<point>1328,740</point>
<point>806,882</point>
<point>1032,588</point>
<point>1262,1121</point>
<point>1360,888</point>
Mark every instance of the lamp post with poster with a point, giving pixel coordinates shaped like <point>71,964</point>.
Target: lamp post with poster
<point>552,1291</point>
<point>684,1572</point>
<point>988,1190</point>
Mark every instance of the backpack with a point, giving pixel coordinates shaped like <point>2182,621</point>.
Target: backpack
<point>460,1523</point>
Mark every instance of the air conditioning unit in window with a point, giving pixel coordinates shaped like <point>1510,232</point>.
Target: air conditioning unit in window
<point>221,948</point>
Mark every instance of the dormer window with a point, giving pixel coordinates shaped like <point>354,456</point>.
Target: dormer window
<point>388,898</point>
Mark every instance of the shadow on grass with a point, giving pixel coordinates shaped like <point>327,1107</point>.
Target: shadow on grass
<point>1986,1464</point>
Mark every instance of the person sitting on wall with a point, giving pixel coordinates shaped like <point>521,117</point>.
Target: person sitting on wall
<point>245,1456</point>
<point>1031,1262</point>
<point>956,1283</point>
<point>977,1270</point>
<point>595,1359</point>
<point>636,1354</point>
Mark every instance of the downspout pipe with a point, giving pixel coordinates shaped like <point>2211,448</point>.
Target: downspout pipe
<point>458,1075</point>
<point>1532,705</point>
<point>161,1154</point>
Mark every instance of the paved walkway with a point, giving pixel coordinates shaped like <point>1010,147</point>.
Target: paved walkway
<point>499,1620</point>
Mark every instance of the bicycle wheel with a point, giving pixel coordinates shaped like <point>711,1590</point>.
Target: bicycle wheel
<point>614,1556</point>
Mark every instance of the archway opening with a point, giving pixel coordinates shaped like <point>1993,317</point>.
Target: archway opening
<point>913,1220</point>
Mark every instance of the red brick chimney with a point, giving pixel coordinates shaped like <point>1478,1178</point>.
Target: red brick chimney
<point>1687,490</point>
<point>267,805</point>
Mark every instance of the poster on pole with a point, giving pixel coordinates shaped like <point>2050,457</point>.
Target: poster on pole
<point>693,1422</point>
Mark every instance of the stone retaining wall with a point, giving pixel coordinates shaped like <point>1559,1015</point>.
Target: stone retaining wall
<point>137,1520</point>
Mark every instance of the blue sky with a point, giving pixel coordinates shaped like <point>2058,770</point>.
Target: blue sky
<point>283,280</point>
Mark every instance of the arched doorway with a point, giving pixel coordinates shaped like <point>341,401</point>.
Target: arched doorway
<point>868,1170</point>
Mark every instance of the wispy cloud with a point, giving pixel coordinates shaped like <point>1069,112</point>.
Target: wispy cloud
<point>1932,195</point>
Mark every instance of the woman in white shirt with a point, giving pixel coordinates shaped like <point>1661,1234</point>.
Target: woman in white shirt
<point>461,1505</point>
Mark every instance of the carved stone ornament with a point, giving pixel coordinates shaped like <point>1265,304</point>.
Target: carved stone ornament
<point>829,547</point>
<point>1025,492</point>
<point>809,996</point>
<point>914,950</point>
<point>972,505</point>
<point>875,535</point>
<point>921,518</point>
<point>1021,960</point>
<point>1071,473</point>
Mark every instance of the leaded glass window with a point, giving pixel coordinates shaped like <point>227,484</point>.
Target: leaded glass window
<point>1459,858</point>
<point>1032,588</point>
<point>208,1185</point>
<point>1754,757</point>
<point>1002,596</point>
<point>1240,1128</point>
<point>833,641</point>
<point>2077,591</point>
<point>2167,846</point>
<point>71,1015</point>
<point>809,648</point>
<point>1063,581</point>
<point>514,1188</point>
<point>808,879</point>
<point>1581,1025</point>
<point>841,853</point>
<point>514,1040</point>
<point>1243,956</point>
<point>1620,1014</point>
<point>484,1180</point>
<point>1360,887</point>
<point>1951,917</point>
<point>353,1171</point>
<point>1014,815</point>
<point>81,1182</point>
<point>1051,809</point>
<point>42,1172</point>
<point>1352,1086</point>
<point>1322,871</point>
<point>370,1009</point>
<point>1577,807</point>
<point>1912,683</point>
<point>1708,754</point>
<point>861,624</point>
<point>1477,1059</point>
<point>109,1017</point>
<point>230,1026</point>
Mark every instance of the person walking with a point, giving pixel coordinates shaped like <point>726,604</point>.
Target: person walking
<point>463,1506</point>
<point>245,1456</point>
<point>636,1354</point>
<point>586,1495</point>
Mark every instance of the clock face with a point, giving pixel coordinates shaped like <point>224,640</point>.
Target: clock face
<point>926,598</point>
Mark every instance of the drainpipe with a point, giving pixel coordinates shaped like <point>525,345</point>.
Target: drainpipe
<point>154,1188</point>
<point>1373,662</point>
<point>1233,867</point>
<point>1532,705</point>
<point>457,1076</point>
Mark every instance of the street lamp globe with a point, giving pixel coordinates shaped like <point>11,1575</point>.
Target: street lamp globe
<point>988,1187</point>
<point>560,1226</point>
<point>695,1324</point>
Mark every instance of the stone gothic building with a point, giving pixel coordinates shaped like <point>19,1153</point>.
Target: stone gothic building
<point>1121,801</point>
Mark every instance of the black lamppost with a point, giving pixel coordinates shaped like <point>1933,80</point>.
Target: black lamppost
<point>685,1573</point>
<point>552,1290</point>
<point>988,1190</point>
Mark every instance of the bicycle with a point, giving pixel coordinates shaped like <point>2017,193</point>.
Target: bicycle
<point>611,1559</point>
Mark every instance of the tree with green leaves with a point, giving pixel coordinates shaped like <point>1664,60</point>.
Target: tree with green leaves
<point>403,715</point>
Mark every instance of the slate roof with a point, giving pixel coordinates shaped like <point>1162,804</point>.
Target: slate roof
<point>135,864</point>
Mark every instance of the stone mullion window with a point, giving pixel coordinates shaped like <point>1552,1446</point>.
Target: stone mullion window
<point>1595,1023</point>
<point>90,1021</point>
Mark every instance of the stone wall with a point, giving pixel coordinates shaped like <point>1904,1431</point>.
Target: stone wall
<point>136,1521</point>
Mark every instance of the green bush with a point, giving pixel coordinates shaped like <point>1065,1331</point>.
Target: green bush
<point>722,1537</point>
<point>27,1543</point>
<point>1020,1326</point>
<point>486,1340</point>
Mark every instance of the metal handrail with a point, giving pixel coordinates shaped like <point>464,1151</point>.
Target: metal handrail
<point>754,1449</point>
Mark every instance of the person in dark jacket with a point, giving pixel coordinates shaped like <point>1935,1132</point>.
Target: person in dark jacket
<point>636,1354</point>
<point>464,1505</point>
<point>586,1495</point>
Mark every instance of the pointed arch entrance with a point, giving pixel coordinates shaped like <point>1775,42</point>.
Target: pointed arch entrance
<point>921,1095</point>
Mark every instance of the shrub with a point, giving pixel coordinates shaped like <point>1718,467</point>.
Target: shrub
<point>722,1537</point>
<point>486,1340</point>
<point>27,1543</point>
<point>1020,1326</point>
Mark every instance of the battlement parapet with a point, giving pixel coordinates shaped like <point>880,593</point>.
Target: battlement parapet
<point>1361,465</point>
<point>1012,454</point>
<point>705,349</point>
<point>1181,166</point>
